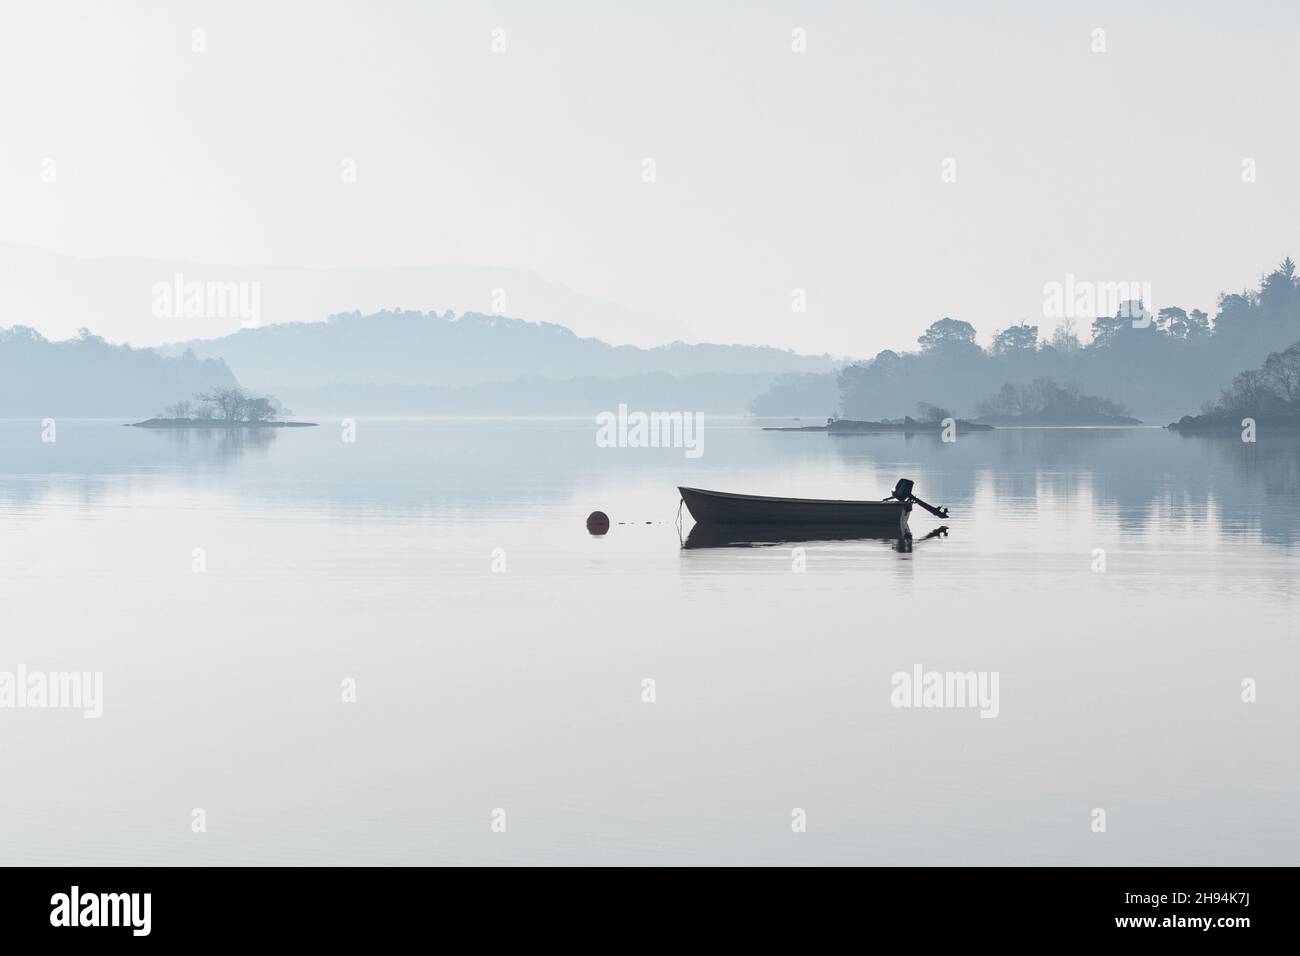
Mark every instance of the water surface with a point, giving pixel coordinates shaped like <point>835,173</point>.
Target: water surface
<point>521,688</point>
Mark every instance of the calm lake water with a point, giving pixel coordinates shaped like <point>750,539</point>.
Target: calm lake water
<point>522,689</point>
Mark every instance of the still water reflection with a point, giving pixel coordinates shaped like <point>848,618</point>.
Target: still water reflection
<point>500,653</point>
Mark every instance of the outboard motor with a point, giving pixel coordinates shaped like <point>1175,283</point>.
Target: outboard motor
<point>903,492</point>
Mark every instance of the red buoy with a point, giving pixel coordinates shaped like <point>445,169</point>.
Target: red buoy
<point>597,522</point>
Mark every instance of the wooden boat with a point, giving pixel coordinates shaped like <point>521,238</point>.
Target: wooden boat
<point>725,508</point>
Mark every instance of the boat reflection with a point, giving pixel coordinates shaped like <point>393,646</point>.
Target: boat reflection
<point>757,536</point>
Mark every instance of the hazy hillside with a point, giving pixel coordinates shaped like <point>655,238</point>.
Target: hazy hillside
<point>58,294</point>
<point>88,377</point>
<point>1158,381</point>
<point>414,348</point>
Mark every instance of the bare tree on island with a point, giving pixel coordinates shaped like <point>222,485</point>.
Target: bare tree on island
<point>228,402</point>
<point>229,405</point>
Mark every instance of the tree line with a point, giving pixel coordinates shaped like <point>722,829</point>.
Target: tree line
<point>225,404</point>
<point>1166,362</point>
<point>1273,387</point>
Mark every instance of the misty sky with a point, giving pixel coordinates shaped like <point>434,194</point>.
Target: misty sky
<point>775,170</point>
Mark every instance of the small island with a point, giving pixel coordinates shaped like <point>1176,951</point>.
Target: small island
<point>223,408</point>
<point>1045,403</point>
<point>933,419</point>
<point>904,426</point>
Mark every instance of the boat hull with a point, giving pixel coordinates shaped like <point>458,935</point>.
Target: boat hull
<point>724,508</point>
<point>757,536</point>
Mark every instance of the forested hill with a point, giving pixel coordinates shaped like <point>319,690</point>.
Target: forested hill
<point>409,348</point>
<point>88,377</point>
<point>1161,364</point>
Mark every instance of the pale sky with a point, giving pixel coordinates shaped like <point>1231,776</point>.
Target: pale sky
<point>775,170</point>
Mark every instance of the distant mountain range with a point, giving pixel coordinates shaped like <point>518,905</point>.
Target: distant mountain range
<point>118,297</point>
<point>414,348</point>
<point>287,332</point>
<point>390,363</point>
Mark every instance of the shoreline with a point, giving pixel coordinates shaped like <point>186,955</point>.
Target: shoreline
<point>210,424</point>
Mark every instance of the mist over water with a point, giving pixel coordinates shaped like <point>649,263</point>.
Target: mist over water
<point>521,688</point>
